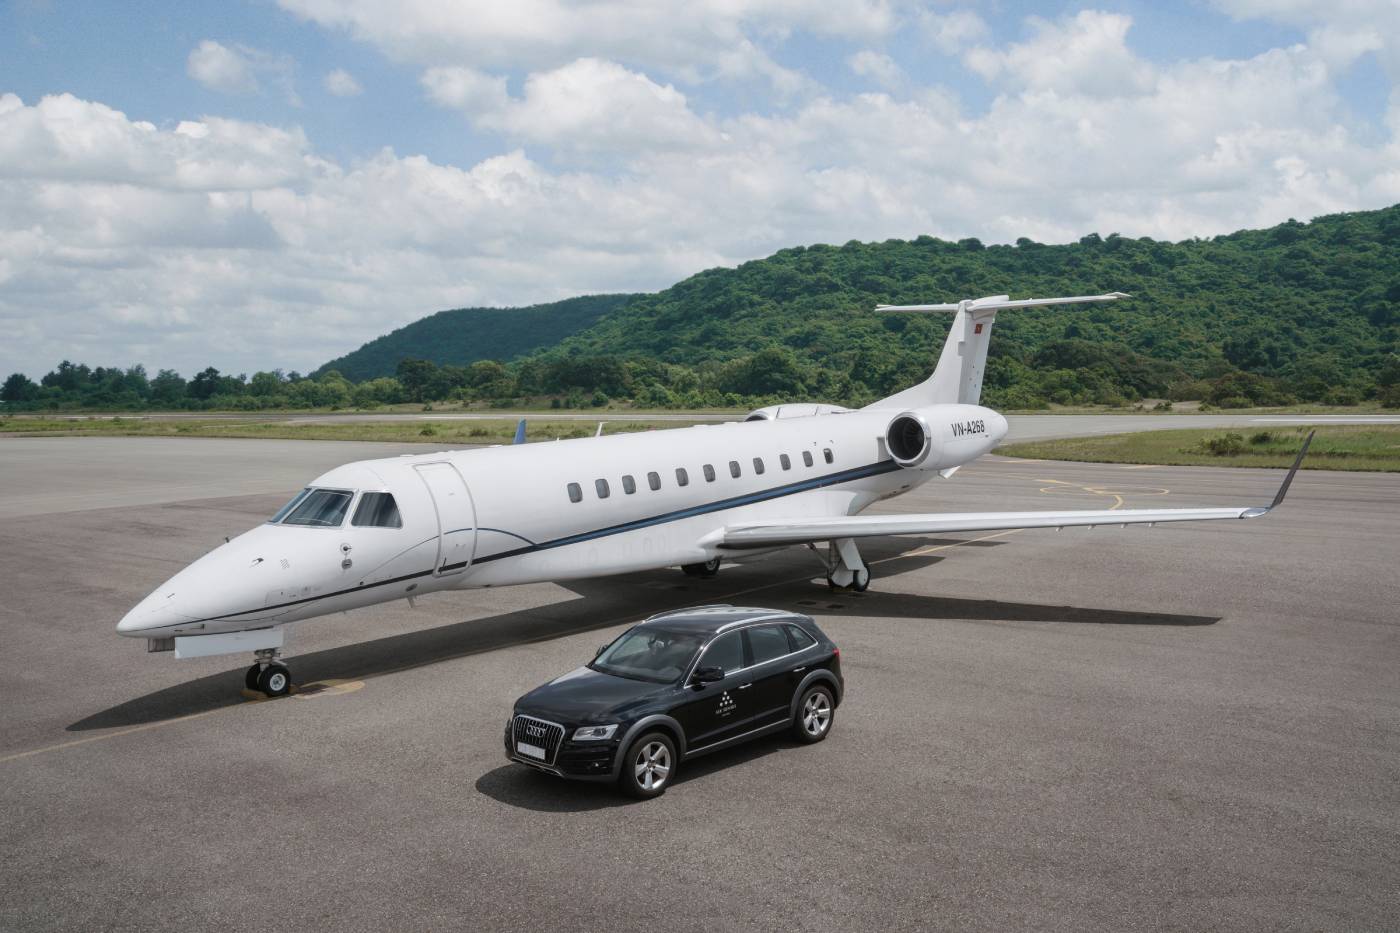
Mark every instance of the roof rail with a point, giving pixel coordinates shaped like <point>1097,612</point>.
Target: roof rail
<point>677,612</point>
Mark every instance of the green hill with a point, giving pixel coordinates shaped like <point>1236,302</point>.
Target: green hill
<point>1302,310</point>
<point>466,335</point>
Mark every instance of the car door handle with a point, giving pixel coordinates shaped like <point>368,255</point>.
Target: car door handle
<point>798,670</point>
<point>746,686</point>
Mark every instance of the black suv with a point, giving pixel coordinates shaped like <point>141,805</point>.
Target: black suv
<point>678,685</point>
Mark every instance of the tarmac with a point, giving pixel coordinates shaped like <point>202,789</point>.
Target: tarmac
<point>1172,728</point>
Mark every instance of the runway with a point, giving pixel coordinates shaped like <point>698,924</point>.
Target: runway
<point>1184,727</point>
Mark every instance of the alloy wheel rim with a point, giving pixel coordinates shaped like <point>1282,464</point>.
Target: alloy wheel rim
<point>277,681</point>
<point>653,766</point>
<point>816,714</point>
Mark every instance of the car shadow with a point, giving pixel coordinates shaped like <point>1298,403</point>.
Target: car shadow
<point>528,789</point>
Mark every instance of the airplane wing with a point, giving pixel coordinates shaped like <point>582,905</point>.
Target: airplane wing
<point>803,530</point>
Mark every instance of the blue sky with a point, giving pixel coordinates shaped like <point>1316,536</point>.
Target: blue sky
<point>183,187</point>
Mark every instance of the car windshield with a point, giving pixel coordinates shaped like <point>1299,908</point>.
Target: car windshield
<point>322,508</point>
<point>647,653</point>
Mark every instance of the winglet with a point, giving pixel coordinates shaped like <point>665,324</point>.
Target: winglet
<point>1287,480</point>
<point>1283,490</point>
<point>519,432</point>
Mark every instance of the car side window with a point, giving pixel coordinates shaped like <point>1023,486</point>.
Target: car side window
<point>799,638</point>
<point>767,642</point>
<point>725,652</point>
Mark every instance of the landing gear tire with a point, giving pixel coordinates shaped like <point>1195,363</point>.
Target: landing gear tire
<point>708,569</point>
<point>648,766</point>
<point>861,581</point>
<point>250,679</point>
<point>816,712</point>
<point>275,680</point>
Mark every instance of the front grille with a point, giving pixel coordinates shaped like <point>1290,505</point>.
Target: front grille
<point>547,735</point>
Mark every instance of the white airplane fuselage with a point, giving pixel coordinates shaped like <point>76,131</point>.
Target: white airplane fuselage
<point>501,516</point>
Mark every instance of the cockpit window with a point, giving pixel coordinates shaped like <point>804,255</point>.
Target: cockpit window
<point>284,510</point>
<point>377,510</point>
<point>322,508</point>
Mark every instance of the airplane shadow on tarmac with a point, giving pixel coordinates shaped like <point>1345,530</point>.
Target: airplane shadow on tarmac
<point>607,602</point>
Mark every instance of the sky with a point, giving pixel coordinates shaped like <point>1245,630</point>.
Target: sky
<point>269,184</point>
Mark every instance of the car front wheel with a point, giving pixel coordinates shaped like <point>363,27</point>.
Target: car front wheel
<point>649,766</point>
<point>815,713</point>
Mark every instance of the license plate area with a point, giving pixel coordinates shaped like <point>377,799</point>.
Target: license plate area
<point>530,751</point>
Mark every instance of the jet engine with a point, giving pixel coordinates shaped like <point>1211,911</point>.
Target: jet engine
<point>942,436</point>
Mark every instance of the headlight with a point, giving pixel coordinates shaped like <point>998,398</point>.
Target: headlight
<point>594,733</point>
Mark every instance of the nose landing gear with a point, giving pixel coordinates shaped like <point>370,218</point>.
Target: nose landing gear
<point>269,675</point>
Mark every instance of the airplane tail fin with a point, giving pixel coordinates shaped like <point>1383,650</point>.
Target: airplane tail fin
<point>519,432</point>
<point>958,376</point>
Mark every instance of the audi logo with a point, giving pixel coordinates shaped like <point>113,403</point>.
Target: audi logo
<point>534,731</point>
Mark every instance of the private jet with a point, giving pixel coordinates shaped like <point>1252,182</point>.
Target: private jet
<point>788,475</point>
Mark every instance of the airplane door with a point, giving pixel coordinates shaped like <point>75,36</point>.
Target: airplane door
<point>455,514</point>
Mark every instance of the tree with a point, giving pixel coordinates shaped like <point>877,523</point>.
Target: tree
<point>168,388</point>
<point>19,388</point>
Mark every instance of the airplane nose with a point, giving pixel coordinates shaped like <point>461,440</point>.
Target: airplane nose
<point>154,611</point>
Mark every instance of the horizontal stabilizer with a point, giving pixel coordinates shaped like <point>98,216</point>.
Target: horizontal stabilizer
<point>1002,302</point>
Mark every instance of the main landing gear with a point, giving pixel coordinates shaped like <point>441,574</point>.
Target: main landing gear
<point>708,569</point>
<point>845,570</point>
<point>269,675</point>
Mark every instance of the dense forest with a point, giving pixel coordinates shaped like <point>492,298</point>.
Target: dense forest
<point>465,335</point>
<point>1299,312</point>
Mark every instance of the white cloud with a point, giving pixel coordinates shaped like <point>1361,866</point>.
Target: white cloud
<point>689,39</point>
<point>221,68</point>
<point>877,66</point>
<point>588,104</point>
<point>237,70</point>
<point>341,83</point>
<point>237,244</point>
<point>953,32</point>
<point>1086,54</point>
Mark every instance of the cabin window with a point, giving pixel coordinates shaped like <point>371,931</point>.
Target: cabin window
<point>629,485</point>
<point>709,472</point>
<point>602,486</point>
<point>654,481</point>
<point>826,454</point>
<point>758,465</point>
<point>785,461</point>
<point>734,468</point>
<point>377,510</point>
<point>575,492</point>
<point>682,477</point>
<point>320,508</point>
<point>807,457</point>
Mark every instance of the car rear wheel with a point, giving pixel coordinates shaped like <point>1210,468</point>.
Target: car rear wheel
<point>649,766</point>
<point>816,711</point>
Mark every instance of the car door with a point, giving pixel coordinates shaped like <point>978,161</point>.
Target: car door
<point>714,712</point>
<point>772,673</point>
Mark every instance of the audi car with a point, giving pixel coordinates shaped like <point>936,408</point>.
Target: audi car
<point>676,686</point>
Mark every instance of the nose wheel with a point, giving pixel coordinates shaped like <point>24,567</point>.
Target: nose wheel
<point>269,675</point>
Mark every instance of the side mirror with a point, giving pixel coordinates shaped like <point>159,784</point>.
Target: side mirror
<point>707,675</point>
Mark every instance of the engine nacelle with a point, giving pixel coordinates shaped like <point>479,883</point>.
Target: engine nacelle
<point>799,410</point>
<point>941,436</point>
